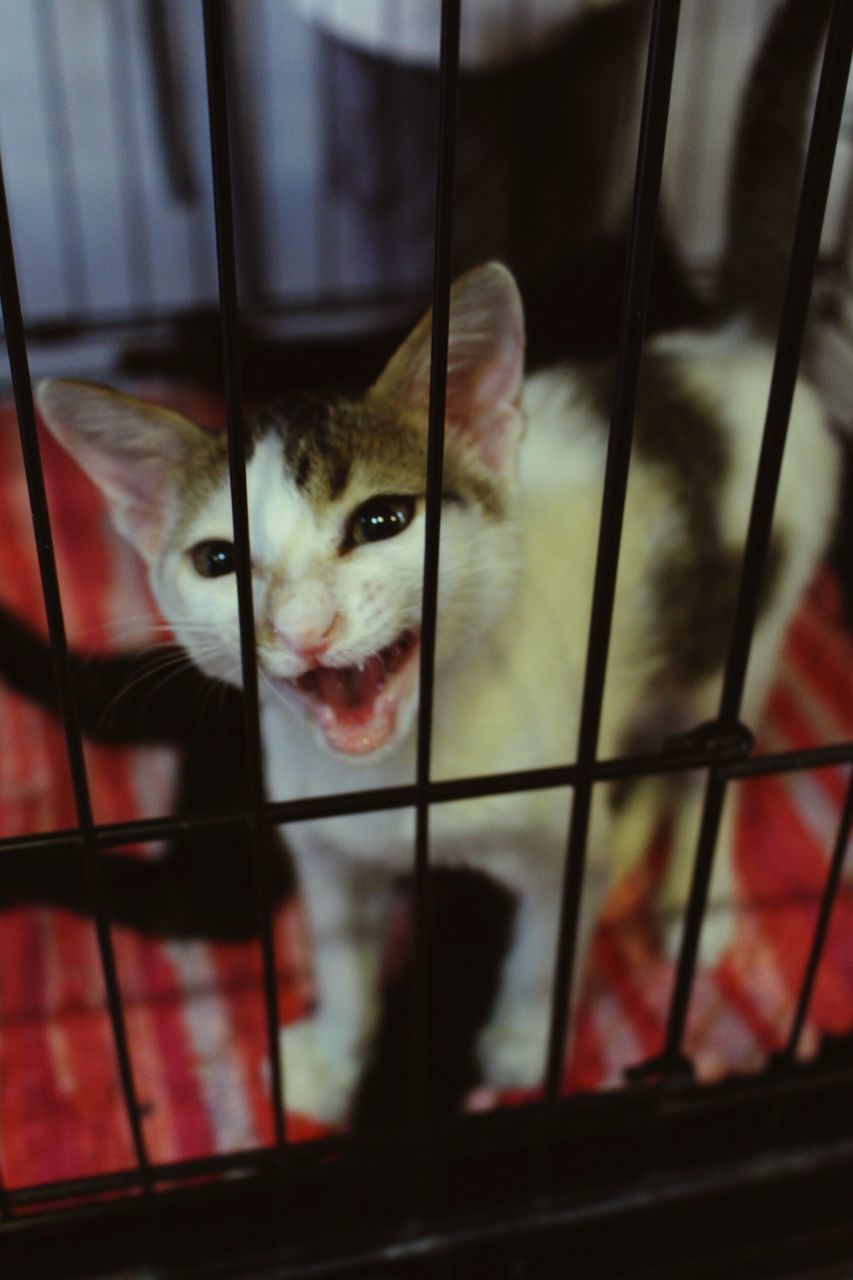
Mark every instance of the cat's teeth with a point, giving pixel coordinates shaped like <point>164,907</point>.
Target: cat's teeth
<point>349,695</point>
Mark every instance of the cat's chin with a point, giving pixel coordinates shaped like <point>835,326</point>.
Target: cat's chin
<point>360,712</point>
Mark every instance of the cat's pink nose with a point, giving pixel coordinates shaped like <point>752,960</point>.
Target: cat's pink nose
<point>311,644</point>
<point>308,648</point>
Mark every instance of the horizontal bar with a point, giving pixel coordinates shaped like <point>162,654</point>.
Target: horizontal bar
<point>468,1132</point>
<point>113,835</point>
<point>793,761</point>
<point>128,1179</point>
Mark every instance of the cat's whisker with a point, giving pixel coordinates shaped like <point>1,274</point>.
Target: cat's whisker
<point>158,687</point>
<point>178,660</point>
<point>215,690</point>
<point>154,625</point>
<point>149,622</point>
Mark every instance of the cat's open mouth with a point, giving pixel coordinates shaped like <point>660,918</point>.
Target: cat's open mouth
<point>356,707</point>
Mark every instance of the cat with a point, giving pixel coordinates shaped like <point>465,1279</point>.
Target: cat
<point>336,518</point>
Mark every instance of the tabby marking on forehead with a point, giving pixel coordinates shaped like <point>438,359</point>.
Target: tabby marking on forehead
<point>326,439</point>
<point>332,442</point>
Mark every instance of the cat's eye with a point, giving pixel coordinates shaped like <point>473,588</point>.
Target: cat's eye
<point>379,518</point>
<point>213,558</point>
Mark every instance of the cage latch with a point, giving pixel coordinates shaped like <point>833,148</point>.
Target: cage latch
<point>728,740</point>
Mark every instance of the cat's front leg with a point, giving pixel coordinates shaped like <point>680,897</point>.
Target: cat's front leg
<point>514,1044</point>
<point>323,1054</point>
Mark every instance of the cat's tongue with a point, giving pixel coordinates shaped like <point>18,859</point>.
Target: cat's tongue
<point>351,691</point>
<point>356,706</point>
<point>353,714</point>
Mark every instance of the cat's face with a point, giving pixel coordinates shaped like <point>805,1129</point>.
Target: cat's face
<point>336,492</point>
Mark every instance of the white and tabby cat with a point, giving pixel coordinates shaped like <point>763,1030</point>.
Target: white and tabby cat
<point>336,501</point>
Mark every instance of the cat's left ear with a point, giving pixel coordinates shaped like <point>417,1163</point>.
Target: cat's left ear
<point>485,366</point>
<point>134,451</point>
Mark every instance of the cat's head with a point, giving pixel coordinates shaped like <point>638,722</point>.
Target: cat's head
<point>336,517</point>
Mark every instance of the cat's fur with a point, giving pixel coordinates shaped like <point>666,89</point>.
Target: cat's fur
<point>519,531</point>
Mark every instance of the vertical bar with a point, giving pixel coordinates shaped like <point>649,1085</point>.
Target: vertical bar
<point>214,34</point>
<point>815,188</point>
<point>659,67</point>
<point>23,392</point>
<point>830,892</point>
<point>448,86</point>
<point>66,203</point>
<point>137,241</point>
<point>246,187</point>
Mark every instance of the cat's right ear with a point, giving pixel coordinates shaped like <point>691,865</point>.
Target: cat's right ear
<point>134,452</point>
<point>485,367</point>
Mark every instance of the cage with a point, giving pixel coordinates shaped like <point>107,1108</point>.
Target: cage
<point>218,202</point>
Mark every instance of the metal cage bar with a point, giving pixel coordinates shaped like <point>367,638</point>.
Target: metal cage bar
<point>815,189</point>
<point>830,893</point>
<point>724,758</point>
<point>659,69</point>
<point>448,87</point>
<point>214,38</point>
<point>23,392</point>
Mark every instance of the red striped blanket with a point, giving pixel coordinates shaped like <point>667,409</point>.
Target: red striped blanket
<point>194,1011</point>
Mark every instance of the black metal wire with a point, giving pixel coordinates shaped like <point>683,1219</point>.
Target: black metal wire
<point>726,764</point>
<point>66,196</point>
<point>22,387</point>
<point>214,35</point>
<point>113,835</point>
<point>830,893</point>
<point>789,761</point>
<point>661,57</point>
<point>815,188</point>
<point>448,87</point>
<point>462,1134</point>
<point>249,224</point>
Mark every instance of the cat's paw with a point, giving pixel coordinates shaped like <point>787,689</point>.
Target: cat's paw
<point>512,1048</point>
<point>321,1068</point>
